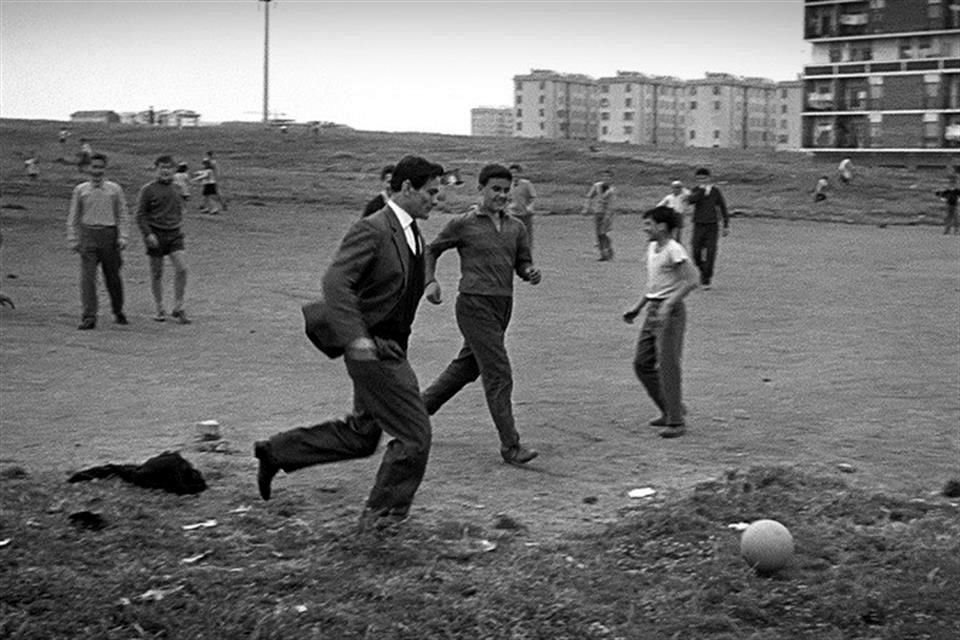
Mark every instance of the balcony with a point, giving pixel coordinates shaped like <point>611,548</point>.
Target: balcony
<point>865,68</point>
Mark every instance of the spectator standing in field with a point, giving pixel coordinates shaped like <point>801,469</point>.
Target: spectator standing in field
<point>820,190</point>
<point>677,200</point>
<point>950,197</point>
<point>207,176</point>
<point>32,167</point>
<point>522,195</point>
<point>217,178</point>
<point>62,137</point>
<point>709,210</point>
<point>670,277</point>
<point>493,246</point>
<point>86,152</point>
<point>98,228</point>
<point>600,203</point>
<point>371,291</point>
<point>160,217</point>
<point>182,181</point>
<point>380,200</point>
<point>845,170</point>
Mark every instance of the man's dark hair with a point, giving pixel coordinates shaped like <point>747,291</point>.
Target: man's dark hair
<point>99,156</point>
<point>386,171</point>
<point>702,171</point>
<point>165,159</point>
<point>419,171</point>
<point>494,171</point>
<point>516,167</point>
<point>666,215</point>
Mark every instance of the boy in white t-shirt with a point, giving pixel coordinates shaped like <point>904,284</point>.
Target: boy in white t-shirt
<point>670,277</point>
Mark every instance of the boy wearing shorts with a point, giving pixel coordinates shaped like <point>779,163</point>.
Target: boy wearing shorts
<point>160,215</point>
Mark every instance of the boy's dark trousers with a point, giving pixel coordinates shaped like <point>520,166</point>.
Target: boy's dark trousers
<point>98,245</point>
<point>658,356</point>
<point>703,246</point>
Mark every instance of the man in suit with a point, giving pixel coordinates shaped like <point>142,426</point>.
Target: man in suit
<point>709,209</point>
<point>371,292</point>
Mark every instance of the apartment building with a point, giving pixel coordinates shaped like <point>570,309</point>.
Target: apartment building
<point>729,111</point>
<point>637,108</point>
<point>884,76</point>
<point>555,105</point>
<point>788,105</point>
<point>496,122</point>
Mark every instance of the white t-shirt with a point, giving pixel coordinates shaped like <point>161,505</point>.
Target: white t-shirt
<point>662,263</point>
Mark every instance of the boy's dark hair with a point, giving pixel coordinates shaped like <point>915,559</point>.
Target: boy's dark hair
<point>386,171</point>
<point>419,171</point>
<point>164,159</point>
<point>702,171</point>
<point>516,167</point>
<point>99,156</point>
<point>664,215</point>
<point>493,171</point>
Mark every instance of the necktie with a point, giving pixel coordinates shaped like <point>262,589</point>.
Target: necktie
<point>417,242</point>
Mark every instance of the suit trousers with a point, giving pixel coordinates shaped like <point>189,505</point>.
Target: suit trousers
<point>658,356</point>
<point>98,246</point>
<point>703,246</point>
<point>483,322</point>
<point>386,399</point>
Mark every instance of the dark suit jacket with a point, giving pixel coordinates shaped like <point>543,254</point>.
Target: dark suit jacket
<point>362,285</point>
<point>378,202</point>
<point>707,207</point>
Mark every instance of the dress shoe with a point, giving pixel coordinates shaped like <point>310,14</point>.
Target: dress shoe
<point>673,430</point>
<point>87,324</point>
<point>267,469</point>
<point>180,316</point>
<point>120,318</point>
<point>375,522</point>
<point>659,422</point>
<point>518,455</point>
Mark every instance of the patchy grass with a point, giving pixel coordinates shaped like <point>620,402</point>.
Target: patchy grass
<point>866,566</point>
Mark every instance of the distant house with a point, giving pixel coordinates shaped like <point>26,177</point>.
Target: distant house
<point>102,117</point>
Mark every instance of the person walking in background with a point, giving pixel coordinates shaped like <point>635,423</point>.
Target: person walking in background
<point>160,216</point>
<point>182,181</point>
<point>493,246</point>
<point>670,277</point>
<point>950,197</point>
<point>98,228</point>
<point>83,157</point>
<point>677,200</point>
<point>380,200</point>
<point>845,170</point>
<point>371,291</point>
<point>522,195</point>
<point>217,178</point>
<point>709,210</point>
<point>62,137</point>
<point>207,176</point>
<point>600,203</point>
<point>32,167</point>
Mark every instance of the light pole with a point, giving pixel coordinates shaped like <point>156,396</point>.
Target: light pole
<point>266,61</point>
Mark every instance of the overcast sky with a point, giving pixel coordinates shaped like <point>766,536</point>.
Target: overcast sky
<point>378,65</point>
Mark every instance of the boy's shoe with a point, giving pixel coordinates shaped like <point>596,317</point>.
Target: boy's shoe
<point>518,455</point>
<point>181,316</point>
<point>87,324</point>
<point>267,468</point>
<point>673,430</point>
<point>161,316</point>
<point>120,318</point>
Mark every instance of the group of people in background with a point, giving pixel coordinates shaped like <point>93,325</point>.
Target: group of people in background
<point>98,229</point>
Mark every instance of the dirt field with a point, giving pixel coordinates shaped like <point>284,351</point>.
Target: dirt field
<point>819,344</point>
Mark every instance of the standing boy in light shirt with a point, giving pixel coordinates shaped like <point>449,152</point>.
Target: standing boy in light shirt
<point>97,229</point>
<point>677,200</point>
<point>160,216</point>
<point>670,277</point>
<point>600,202</point>
<point>522,195</point>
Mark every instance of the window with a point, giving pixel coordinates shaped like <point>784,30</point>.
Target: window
<point>604,115</point>
<point>628,115</point>
<point>519,99</point>
<point>906,51</point>
<point>716,134</point>
<point>628,131</point>
<point>783,108</point>
<point>693,91</point>
<point>934,11</point>
<point>540,112</point>
<point>716,105</point>
<point>783,124</point>
<point>783,93</point>
<point>628,102</point>
<point>542,126</point>
<point>604,102</point>
<point>628,88</point>
<point>603,130</point>
<point>519,126</point>
<point>693,104</point>
<point>604,88</point>
<point>542,99</point>
<point>519,113</point>
<point>543,85</point>
<point>693,134</point>
<point>925,48</point>
<point>716,91</point>
<point>836,53</point>
<point>783,139</point>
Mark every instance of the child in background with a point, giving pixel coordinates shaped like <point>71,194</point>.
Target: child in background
<point>181,179</point>
<point>819,192</point>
